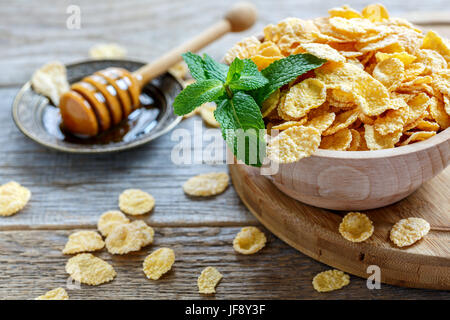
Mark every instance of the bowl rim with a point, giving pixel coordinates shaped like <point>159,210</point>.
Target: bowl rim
<point>434,141</point>
<point>110,149</point>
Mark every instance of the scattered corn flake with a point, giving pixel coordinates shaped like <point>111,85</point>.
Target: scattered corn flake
<point>263,62</point>
<point>356,227</point>
<point>244,49</point>
<point>376,141</point>
<point>390,122</point>
<point>208,280</point>
<point>356,140</point>
<point>330,280</point>
<point>207,184</point>
<point>109,220</point>
<point>343,120</point>
<point>418,136</point>
<point>83,241</point>
<point>249,240</point>
<point>107,51</point>
<point>390,72</point>
<point>413,70</point>
<point>270,103</point>
<point>294,144</point>
<point>129,237</point>
<point>302,97</point>
<point>136,202</point>
<point>89,269</point>
<point>352,28</point>
<point>432,60</point>
<point>207,113</point>
<point>51,81</point>
<point>375,12</point>
<point>13,198</point>
<point>55,294</point>
<point>338,141</point>
<point>408,231</point>
<point>447,105</point>
<point>323,51</point>
<point>158,263</point>
<point>426,125</point>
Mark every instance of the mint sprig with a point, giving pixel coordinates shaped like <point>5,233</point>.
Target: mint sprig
<point>239,91</point>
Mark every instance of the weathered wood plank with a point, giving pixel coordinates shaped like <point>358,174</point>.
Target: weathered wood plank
<point>146,28</point>
<point>32,263</point>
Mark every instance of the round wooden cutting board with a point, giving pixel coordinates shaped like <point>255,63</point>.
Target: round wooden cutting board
<point>314,231</point>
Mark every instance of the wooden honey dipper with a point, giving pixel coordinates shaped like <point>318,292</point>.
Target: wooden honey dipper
<point>104,99</point>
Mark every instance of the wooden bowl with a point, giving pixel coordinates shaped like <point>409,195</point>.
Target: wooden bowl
<point>361,180</point>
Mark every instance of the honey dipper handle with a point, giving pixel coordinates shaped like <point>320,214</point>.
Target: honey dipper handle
<point>241,17</point>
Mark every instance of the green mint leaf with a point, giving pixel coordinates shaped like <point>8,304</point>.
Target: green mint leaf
<point>234,72</point>
<point>197,94</point>
<point>195,65</point>
<point>213,69</point>
<point>242,127</point>
<point>283,71</point>
<point>250,77</point>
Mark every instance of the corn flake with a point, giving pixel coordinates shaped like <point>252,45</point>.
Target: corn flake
<point>51,81</point>
<point>343,120</point>
<point>207,184</point>
<point>408,231</point>
<point>356,227</point>
<point>356,141</point>
<point>438,112</point>
<point>13,198</point>
<point>136,202</point>
<point>208,280</point>
<point>390,72</point>
<point>249,240</point>
<point>344,12</point>
<point>418,136</point>
<point>244,49</point>
<point>323,51</point>
<point>376,141</point>
<point>288,124</point>
<point>434,42</point>
<point>55,294</point>
<point>294,144</point>
<point>158,263</point>
<point>83,241</point>
<point>207,114</point>
<point>107,51</point>
<point>375,12</point>
<point>321,121</point>
<point>89,269</point>
<point>340,140</point>
<point>129,237</point>
<point>109,220</point>
<point>330,280</point>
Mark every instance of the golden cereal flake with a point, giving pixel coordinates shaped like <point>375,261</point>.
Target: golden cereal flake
<point>426,125</point>
<point>330,280</point>
<point>51,81</point>
<point>356,140</point>
<point>408,231</point>
<point>390,122</point>
<point>271,103</point>
<point>434,42</point>
<point>294,144</point>
<point>207,184</point>
<point>136,202</point>
<point>321,121</point>
<point>340,140</point>
<point>356,227</point>
<point>107,51</point>
<point>249,240</point>
<point>129,237</point>
<point>438,112</point>
<point>288,124</point>
<point>370,95</point>
<point>323,51</point>
<point>13,198</point>
<point>158,263</point>
<point>375,12</point>
<point>342,121</point>
<point>404,57</point>
<point>389,72</point>
<point>208,280</point>
<point>179,70</point>
<point>83,241</point>
<point>376,141</point>
<point>244,49</point>
<point>55,294</point>
<point>207,113</point>
<point>109,220</point>
<point>352,28</point>
<point>418,136</point>
<point>302,97</point>
<point>344,12</point>
<point>89,269</point>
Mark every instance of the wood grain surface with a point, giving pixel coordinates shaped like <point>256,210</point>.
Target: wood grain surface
<point>71,191</point>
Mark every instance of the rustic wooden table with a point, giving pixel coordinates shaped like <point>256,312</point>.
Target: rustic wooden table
<point>71,191</point>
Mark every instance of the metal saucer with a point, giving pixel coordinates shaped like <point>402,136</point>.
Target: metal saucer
<point>40,121</point>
